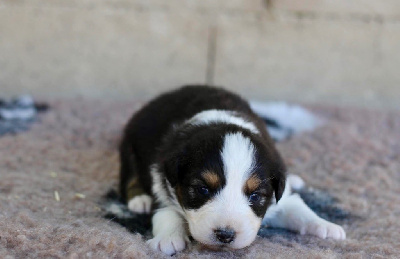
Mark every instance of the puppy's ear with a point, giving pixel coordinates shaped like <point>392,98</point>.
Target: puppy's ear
<point>171,170</point>
<point>278,183</point>
<point>279,180</point>
<point>174,165</point>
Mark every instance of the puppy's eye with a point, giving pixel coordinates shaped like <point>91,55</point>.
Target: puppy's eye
<point>203,190</point>
<point>254,197</point>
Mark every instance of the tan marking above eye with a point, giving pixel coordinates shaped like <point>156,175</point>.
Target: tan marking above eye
<point>252,184</point>
<point>212,179</point>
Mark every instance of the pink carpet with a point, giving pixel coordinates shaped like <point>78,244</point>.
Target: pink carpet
<point>72,152</point>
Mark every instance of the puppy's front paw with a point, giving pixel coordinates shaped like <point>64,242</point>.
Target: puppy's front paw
<point>324,229</point>
<point>169,244</point>
<point>140,204</point>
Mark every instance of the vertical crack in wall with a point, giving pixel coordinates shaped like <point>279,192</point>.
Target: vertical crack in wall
<point>267,4</point>
<point>211,54</point>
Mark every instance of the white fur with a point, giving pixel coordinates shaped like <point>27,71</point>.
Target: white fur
<point>158,189</point>
<point>160,192</point>
<point>168,226</point>
<point>168,231</point>
<point>221,116</point>
<point>230,208</point>
<point>292,213</point>
<point>238,158</point>
<point>140,204</point>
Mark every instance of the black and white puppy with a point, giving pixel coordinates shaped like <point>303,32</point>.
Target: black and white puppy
<point>204,161</point>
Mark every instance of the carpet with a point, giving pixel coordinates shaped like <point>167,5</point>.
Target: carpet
<point>53,179</point>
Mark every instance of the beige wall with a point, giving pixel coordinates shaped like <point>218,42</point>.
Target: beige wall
<point>345,52</point>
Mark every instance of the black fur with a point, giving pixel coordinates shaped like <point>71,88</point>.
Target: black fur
<point>182,153</point>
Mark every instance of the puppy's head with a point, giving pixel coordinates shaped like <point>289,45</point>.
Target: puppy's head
<point>224,181</point>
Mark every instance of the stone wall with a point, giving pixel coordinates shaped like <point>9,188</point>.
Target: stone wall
<point>317,51</point>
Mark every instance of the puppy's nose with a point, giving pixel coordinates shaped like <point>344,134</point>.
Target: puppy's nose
<point>225,235</point>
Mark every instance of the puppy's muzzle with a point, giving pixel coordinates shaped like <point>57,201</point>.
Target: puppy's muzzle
<point>225,235</point>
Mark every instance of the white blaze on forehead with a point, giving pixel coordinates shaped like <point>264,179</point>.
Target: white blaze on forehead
<point>221,116</point>
<point>238,158</point>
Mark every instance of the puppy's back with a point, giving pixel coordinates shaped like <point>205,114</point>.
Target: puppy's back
<point>148,126</point>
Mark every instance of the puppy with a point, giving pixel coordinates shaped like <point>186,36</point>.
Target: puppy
<point>204,161</point>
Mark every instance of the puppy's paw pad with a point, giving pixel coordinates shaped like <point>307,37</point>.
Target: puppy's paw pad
<point>324,229</point>
<point>140,204</point>
<point>169,245</point>
<point>295,182</point>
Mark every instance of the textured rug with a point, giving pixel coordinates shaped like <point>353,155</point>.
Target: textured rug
<point>53,179</point>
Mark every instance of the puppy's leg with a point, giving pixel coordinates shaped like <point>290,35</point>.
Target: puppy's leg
<point>131,190</point>
<point>292,213</point>
<point>168,231</point>
<point>138,200</point>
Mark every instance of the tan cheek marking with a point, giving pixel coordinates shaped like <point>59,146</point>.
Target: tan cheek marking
<point>252,184</point>
<point>211,179</point>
